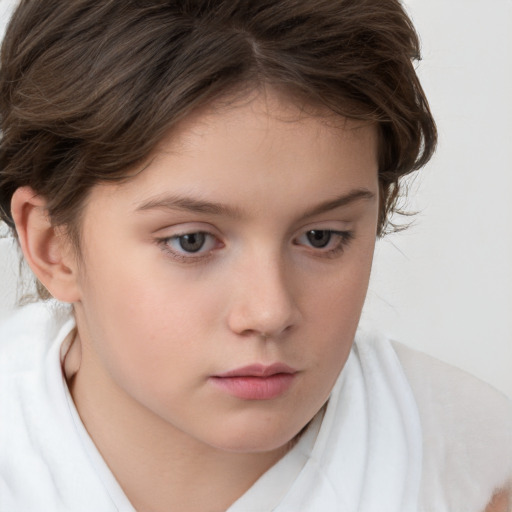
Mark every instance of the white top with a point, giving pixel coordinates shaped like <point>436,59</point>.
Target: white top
<point>401,432</point>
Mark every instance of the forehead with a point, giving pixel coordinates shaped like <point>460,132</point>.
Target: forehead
<point>253,150</point>
<point>262,110</point>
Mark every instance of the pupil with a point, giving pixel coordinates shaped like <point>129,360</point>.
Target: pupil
<point>192,242</point>
<point>319,239</point>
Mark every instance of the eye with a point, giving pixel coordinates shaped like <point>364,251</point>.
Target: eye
<point>319,238</point>
<point>326,242</point>
<point>191,242</point>
<point>190,246</point>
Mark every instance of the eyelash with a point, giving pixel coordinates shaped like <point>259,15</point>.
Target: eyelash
<point>344,239</point>
<point>185,257</point>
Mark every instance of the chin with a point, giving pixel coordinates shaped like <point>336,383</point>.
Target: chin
<point>259,438</point>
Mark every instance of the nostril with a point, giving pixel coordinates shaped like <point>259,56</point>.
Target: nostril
<point>269,335</point>
<point>263,304</point>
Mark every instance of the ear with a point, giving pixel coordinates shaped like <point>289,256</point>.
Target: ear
<point>46,249</point>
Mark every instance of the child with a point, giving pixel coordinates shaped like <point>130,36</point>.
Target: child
<point>202,182</point>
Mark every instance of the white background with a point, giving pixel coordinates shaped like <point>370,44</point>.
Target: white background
<point>445,285</point>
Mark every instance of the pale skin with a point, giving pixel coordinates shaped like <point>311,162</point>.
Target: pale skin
<point>157,322</point>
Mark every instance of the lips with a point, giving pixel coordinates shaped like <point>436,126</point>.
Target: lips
<point>258,370</point>
<point>256,381</point>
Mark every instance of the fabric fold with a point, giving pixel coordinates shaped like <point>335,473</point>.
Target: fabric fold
<point>368,453</point>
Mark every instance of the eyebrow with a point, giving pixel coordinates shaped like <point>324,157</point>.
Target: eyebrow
<point>176,202</point>
<point>190,204</point>
<point>340,201</point>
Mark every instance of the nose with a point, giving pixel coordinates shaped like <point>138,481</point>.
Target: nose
<point>264,299</point>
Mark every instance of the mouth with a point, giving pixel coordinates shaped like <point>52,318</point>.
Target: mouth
<point>256,382</point>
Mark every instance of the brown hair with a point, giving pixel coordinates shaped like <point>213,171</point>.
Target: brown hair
<point>89,87</point>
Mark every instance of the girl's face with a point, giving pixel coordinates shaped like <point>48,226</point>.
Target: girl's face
<point>221,288</point>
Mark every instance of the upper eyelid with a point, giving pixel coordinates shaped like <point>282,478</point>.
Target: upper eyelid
<point>336,226</point>
<point>186,228</point>
<point>176,236</point>
<point>211,231</point>
<point>342,233</point>
<point>196,226</point>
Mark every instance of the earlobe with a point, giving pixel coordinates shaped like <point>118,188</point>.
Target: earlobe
<point>45,248</point>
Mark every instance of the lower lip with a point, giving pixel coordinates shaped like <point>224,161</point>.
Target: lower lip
<point>255,388</point>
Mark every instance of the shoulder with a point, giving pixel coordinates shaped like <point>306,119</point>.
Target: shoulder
<point>453,398</point>
<point>38,431</point>
<point>27,335</point>
<point>467,432</point>
<point>451,390</point>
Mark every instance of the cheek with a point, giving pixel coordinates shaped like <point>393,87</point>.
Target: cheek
<point>150,313</point>
<point>333,304</point>
<point>142,316</point>
<point>339,293</point>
